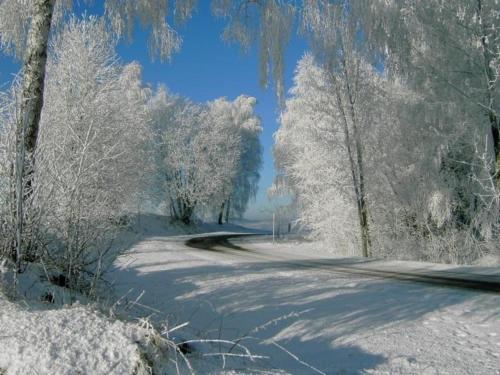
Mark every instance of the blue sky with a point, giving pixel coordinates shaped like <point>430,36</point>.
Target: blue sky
<point>207,68</point>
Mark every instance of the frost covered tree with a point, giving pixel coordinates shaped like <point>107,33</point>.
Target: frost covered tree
<point>185,155</point>
<point>225,132</point>
<point>241,174</point>
<point>25,29</point>
<point>334,36</point>
<point>250,163</point>
<point>447,51</point>
<point>93,144</point>
<point>208,156</point>
<point>92,153</point>
<point>317,150</point>
<point>441,59</point>
<point>427,181</point>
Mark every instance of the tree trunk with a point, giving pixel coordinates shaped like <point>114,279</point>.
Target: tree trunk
<point>34,73</point>
<point>362,204</point>
<point>221,213</point>
<point>365,230</point>
<point>490,77</point>
<point>35,61</point>
<point>495,131</point>
<point>354,149</point>
<point>228,209</point>
<point>180,208</point>
<point>362,199</point>
<point>186,215</point>
<point>173,211</point>
<point>357,174</point>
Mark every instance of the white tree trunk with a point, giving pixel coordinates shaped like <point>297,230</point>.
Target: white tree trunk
<point>355,155</point>
<point>31,108</point>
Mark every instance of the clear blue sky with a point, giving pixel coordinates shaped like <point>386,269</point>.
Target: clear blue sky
<point>207,68</point>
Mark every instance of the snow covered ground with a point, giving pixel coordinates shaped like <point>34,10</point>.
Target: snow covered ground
<point>293,320</point>
<point>308,321</point>
<point>74,340</point>
<point>38,336</point>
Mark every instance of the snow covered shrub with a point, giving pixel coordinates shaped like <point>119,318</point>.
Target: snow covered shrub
<point>11,155</point>
<point>93,147</point>
<point>92,156</point>
<point>434,196</point>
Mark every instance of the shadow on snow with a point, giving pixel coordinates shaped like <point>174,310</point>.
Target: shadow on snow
<point>310,314</point>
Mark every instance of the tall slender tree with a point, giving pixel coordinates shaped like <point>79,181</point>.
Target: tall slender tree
<point>334,35</point>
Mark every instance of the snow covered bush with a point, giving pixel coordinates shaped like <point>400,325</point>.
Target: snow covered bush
<point>93,155</point>
<point>93,147</point>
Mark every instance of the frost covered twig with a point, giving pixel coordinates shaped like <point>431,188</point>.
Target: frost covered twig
<point>298,359</point>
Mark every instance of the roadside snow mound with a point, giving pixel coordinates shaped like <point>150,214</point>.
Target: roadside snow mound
<point>71,340</point>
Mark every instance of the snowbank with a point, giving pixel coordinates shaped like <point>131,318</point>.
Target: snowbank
<point>56,338</point>
<point>69,340</point>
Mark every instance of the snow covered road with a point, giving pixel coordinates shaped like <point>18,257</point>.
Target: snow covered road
<point>334,322</point>
<point>466,277</point>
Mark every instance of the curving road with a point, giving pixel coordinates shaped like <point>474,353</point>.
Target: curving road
<point>308,313</point>
<point>221,243</point>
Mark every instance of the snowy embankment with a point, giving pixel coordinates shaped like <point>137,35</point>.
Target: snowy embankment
<point>309,321</point>
<point>42,333</point>
<point>43,330</point>
<point>70,340</point>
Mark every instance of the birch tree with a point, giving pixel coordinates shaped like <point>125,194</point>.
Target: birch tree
<point>25,28</point>
<point>93,154</point>
<point>448,51</point>
<point>334,37</point>
<point>316,152</point>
